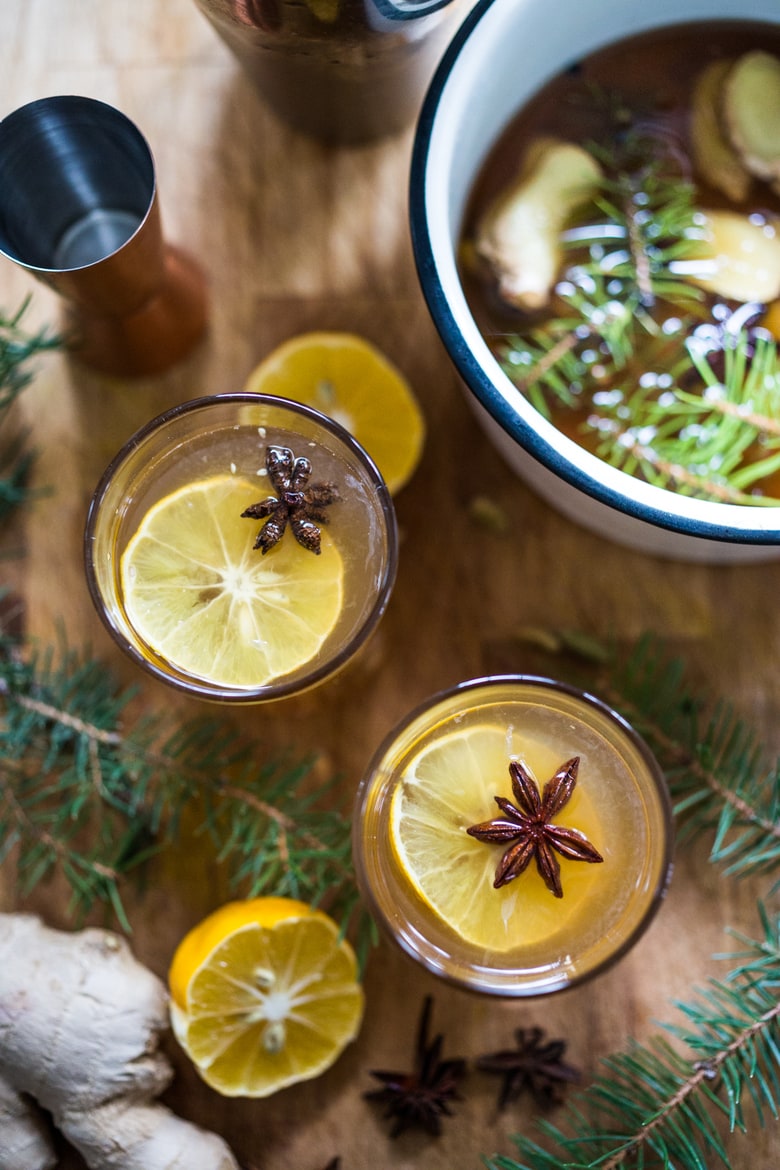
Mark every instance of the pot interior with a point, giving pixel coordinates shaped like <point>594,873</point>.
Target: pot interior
<point>503,53</point>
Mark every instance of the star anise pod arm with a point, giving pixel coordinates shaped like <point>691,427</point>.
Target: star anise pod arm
<point>279,463</point>
<point>321,495</point>
<point>515,860</point>
<point>558,791</point>
<point>573,844</point>
<point>264,508</point>
<point>535,1065</point>
<point>501,828</point>
<point>525,791</point>
<point>420,1098</point>
<point>432,1069</point>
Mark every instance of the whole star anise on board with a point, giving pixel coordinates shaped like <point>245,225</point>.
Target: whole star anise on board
<point>530,831</point>
<point>535,1065</point>
<point>420,1098</point>
<point>297,502</point>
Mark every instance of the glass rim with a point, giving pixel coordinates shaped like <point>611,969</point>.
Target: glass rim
<point>516,990</point>
<point>273,690</point>
<point>68,104</point>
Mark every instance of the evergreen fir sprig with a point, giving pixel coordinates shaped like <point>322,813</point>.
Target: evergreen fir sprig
<point>18,348</point>
<point>620,263</point>
<point>647,222</point>
<point>719,773</point>
<point>719,442</point>
<point>552,362</point>
<point>657,1104</point>
<point>82,794</point>
<point>630,350</point>
<point>16,461</point>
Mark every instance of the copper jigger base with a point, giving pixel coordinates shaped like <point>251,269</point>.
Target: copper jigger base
<point>155,337</point>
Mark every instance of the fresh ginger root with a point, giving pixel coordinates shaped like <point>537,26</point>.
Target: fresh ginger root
<point>80,1022</point>
<point>24,1135</point>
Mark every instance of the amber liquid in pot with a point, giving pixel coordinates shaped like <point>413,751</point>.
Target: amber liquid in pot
<point>654,75</point>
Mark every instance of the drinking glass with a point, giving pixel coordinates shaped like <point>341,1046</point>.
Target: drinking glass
<point>79,211</point>
<point>344,71</point>
<point>224,439</point>
<point>415,860</point>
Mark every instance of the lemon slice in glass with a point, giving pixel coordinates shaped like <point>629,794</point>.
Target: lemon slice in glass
<point>201,597</point>
<point>446,788</point>
<point>348,379</point>
<point>264,994</point>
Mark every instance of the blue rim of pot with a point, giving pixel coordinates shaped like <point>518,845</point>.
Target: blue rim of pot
<point>408,9</point>
<point>481,384</point>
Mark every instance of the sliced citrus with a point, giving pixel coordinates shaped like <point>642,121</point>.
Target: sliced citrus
<point>449,786</point>
<point>348,379</point>
<point>324,10</point>
<point>264,994</point>
<point>200,596</point>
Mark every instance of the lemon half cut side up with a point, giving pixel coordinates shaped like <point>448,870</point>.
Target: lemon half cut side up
<point>264,994</point>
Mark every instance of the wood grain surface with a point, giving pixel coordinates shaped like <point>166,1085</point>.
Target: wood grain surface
<point>296,236</point>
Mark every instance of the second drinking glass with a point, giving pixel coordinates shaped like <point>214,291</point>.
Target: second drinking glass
<point>241,547</point>
<point>513,835</point>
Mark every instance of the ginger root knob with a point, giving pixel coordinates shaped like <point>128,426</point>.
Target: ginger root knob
<point>519,235</point>
<point>80,1022</point>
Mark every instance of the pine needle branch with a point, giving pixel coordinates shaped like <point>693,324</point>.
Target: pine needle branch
<point>619,264</point>
<point>656,1105</point>
<point>718,771</point>
<point>17,351</point>
<point>630,352</point>
<point>84,795</point>
<point>704,443</point>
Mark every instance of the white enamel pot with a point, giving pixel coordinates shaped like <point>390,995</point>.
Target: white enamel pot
<point>502,54</point>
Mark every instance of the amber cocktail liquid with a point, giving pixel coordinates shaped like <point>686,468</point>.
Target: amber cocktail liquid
<point>241,547</point>
<point>538,889</point>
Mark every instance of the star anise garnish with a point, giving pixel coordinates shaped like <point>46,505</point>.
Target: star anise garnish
<point>419,1099</point>
<point>535,1066</point>
<point>530,830</point>
<point>297,502</point>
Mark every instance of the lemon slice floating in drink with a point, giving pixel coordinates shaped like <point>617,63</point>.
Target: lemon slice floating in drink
<point>204,600</point>
<point>348,379</point>
<point>450,786</point>
<point>264,994</point>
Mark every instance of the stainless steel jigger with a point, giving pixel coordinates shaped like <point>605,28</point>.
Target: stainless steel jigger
<point>79,210</point>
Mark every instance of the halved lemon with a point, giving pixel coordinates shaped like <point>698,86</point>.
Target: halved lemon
<point>199,595</point>
<point>264,994</point>
<point>449,786</point>
<point>348,379</point>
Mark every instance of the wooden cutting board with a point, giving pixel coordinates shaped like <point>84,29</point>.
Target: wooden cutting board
<point>296,236</point>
